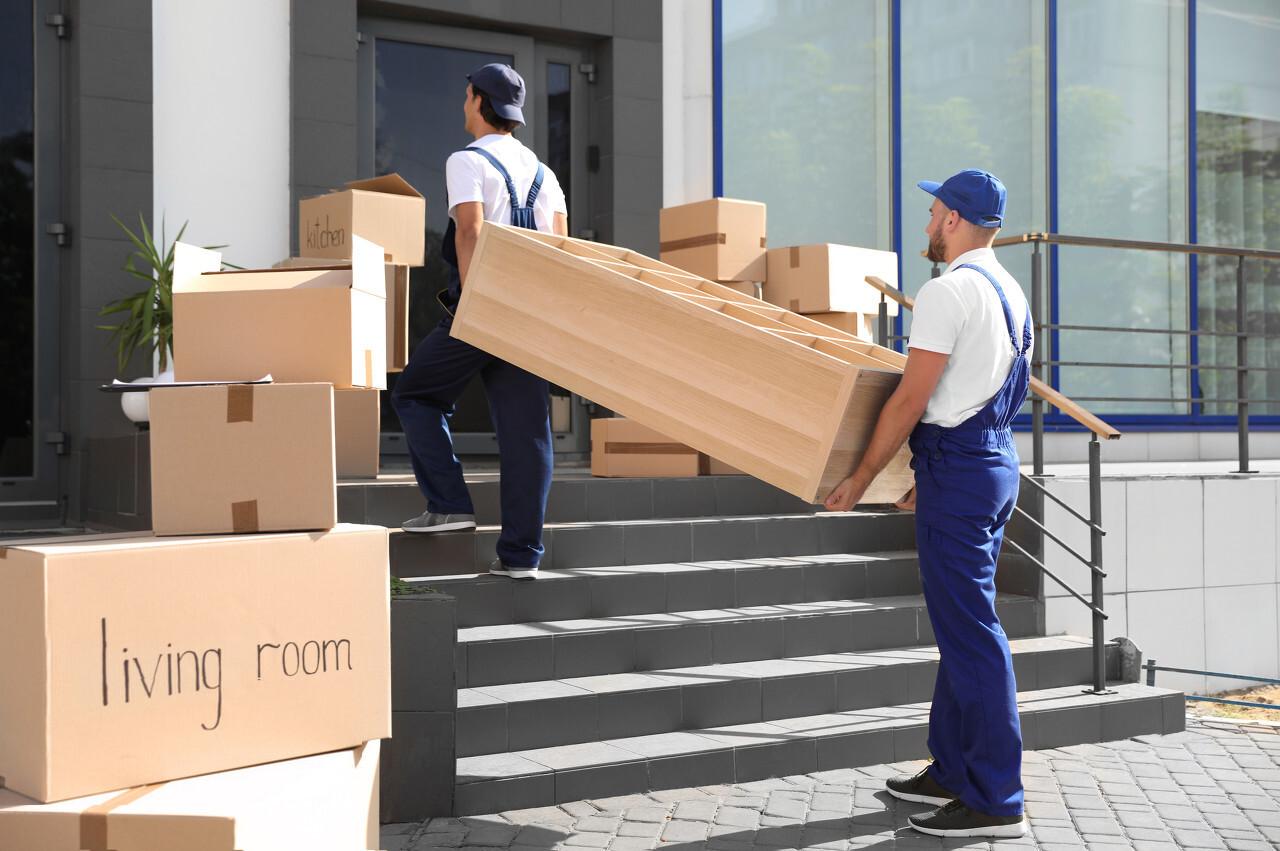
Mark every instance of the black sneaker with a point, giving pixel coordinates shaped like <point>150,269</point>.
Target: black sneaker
<point>497,568</point>
<point>957,819</point>
<point>431,522</point>
<point>921,788</point>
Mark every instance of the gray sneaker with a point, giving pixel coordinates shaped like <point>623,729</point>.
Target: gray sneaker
<point>430,522</point>
<point>500,569</point>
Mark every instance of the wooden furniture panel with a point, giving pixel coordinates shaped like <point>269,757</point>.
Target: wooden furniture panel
<point>786,400</point>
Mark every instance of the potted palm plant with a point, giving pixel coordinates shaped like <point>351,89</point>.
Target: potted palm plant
<point>145,317</point>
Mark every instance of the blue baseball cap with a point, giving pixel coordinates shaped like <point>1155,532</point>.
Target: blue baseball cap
<point>504,87</point>
<point>976,195</point>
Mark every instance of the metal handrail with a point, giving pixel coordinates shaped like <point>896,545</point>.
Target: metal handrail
<point>1151,667</point>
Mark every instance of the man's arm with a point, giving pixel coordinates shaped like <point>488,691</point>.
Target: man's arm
<point>898,417</point>
<point>468,216</point>
<point>560,224</point>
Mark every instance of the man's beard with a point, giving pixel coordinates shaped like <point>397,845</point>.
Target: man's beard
<point>937,248</point>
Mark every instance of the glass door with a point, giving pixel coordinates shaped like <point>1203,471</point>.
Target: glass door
<point>412,84</point>
<point>30,65</point>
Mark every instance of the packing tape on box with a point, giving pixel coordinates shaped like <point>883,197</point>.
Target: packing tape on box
<point>93,821</point>
<point>239,403</point>
<point>649,449</point>
<point>693,242</point>
<point>368,367</point>
<point>4,553</point>
<point>244,516</point>
<point>795,257</point>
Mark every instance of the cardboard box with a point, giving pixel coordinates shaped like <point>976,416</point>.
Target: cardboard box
<point>624,448</point>
<point>827,278</point>
<point>785,399</point>
<point>357,427</point>
<point>385,210</point>
<point>130,659</point>
<point>721,239</point>
<point>329,801</point>
<point>708,466</point>
<point>237,458</point>
<point>397,292</point>
<point>860,325</point>
<point>298,325</point>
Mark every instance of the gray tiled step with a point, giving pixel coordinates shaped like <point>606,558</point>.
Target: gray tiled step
<point>521,716</point>
<point>599,592</point>
<point>578,497</point>
<point>549,650</point>
<point>737,754</point>
<point>632,542</point>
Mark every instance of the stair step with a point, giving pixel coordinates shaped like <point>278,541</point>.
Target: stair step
<point>549,650</point>
<point>521,716</point>
<point>635,542</point>
<point>576,497</point>
<point>600,592</point>
<point>1051,718</point>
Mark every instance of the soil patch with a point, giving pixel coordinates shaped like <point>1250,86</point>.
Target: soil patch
<point>1259,694</point>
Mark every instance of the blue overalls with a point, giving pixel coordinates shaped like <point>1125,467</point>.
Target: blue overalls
<point>428,389</point>
<point>966,487</point>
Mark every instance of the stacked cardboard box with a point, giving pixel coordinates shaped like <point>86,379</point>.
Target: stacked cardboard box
<point>223,682</point>
<point>624,448</point>
<point>724,240</point>
<point>828,282</point>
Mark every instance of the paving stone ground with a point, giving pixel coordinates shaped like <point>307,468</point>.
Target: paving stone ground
<point>1215,786</point>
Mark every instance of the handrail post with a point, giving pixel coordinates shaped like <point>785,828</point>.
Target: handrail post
<point>1037,366</point>
<point>882,322</point>
<point>1095,558</point>
<point>1242,371</point>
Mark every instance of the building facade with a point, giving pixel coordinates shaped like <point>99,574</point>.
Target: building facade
<point>1153,120</point>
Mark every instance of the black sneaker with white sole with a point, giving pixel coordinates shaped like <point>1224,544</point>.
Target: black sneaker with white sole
<point>921,788</point>
<point>429,521</point>
<point>958,819</point>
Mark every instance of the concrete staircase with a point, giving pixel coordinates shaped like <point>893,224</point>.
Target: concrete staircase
<point>697,631</point>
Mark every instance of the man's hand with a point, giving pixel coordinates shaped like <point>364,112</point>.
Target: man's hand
<point>845,495</point>
<point>908,502</point>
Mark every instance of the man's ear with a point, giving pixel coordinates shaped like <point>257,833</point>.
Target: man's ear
<point>952,221</point>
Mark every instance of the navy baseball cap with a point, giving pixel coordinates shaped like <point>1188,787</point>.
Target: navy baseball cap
<point>504,87</point>
<point>976,195</point>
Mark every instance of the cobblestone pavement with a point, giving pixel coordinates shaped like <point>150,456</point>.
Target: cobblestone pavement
<point>1215,786</point>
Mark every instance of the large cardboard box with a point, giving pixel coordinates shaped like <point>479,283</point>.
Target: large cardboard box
<point>130,659</point>
<point>860,325</point>
<point>828,278</point>
<point>237,458</point>
<point>298,325</point>
<point>323,802</point>
<point>357,427</point>
<point>721,239</point>
<point>385,210</point>
<point>623,447</point>
<point>397,291</point>
<point>778,396</point>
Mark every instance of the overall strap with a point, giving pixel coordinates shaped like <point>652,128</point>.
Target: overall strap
<point>1008,314</point>
<point>520,216</point>
<point>511,187</point>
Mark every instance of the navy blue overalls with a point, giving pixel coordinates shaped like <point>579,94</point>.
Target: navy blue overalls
<point>428,389</point>
<point>966,487</point>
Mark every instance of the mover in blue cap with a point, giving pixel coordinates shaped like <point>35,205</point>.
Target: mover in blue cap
<point>966,376</point>
<point>486,182</point>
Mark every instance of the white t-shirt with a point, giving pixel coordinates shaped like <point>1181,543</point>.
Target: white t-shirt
<point>959,314</point>
<point>470,177</point>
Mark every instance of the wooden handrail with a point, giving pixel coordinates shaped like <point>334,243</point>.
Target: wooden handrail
<point>1044,391</point>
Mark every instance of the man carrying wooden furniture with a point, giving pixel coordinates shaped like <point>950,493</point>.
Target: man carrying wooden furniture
<point>965,378</point>
<point>486,182</point>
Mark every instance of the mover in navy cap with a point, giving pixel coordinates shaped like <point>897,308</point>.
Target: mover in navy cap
<point>976,195</point>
